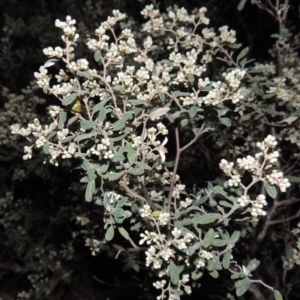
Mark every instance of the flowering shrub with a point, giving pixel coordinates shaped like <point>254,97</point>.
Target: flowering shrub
<point>142,111</point>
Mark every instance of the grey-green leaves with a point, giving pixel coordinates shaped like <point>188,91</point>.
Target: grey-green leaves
<point>110,233</point>
<point>242,286</point>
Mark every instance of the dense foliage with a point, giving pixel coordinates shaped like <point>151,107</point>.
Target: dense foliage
<point>164,141</point>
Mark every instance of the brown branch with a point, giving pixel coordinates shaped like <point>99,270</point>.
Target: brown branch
<point>137,196</point>
<point>178,153</point>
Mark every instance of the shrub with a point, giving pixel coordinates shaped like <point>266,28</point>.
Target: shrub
<point>181,142</point>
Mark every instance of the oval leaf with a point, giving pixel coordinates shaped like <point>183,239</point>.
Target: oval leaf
<point>271,190</point>
<point>209,237</point>
<point>109,233</point>
<point>277,295</point>
<point>124,233</point>
<point>242,286</point>
<point>208,218</point>
<point>69,99</point>
<point>226,260</point>
<point>90,191</point>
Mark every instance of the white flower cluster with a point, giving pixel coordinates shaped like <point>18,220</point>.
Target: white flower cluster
<point>82,220</point>
<point>113,197</point>
<point>268,143</point>
<point>145,211</point>
<point>186,203</point>
<point>286,88</point>
<point>155,255</point>
<point>80,64</point>
<point>222,91</point>
<point>234,78</point>
<point>159,284</point>
<point>54,110</point>
<point>102,149</point>
<point>68,28</point>
<point>256,165</point>
<point>161,249</point>
<point>277,178</point>
<point>181,243</point>
<point>42,78</point>
<point>227,35</point>
<point>163,218</point>
<point>94,245</point>
<point>177,190</point>
<point>151,238</point>
<point>293,136</point>
<point>226,166</point>
<point>204,257</point>
<point>256,205</point>
<point>248,163</point>
<point>57,52</point>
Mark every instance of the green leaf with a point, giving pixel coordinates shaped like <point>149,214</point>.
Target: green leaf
<point>184,122</point>
<point>243,53</point>
<point>220,190</point>
<point>289,253</point>
<point>219,243</point>
<point>72,120</point>
<point>121,202</point>
<point>293,179</point>
<point>69,99</point>
<point>132,157</point>
<point>110,233</point>
<point>118,212</point>
<point>242,286</point>
<point>235,236</point>
<point>193,248</point>
<point>275,36</point>
<point>162,96</point>
<point>191,79</point>
<point>85,74</point>
<point>138,171</point>
<point>277,295</point>
<point>90,191</point>
<point>226,260</point>
<point>119,125</point>
<point>46,148</point>
<point>206,219</point>
<point>253,264</point>
<point>214,274</point>
<point>225,204</point>
<point>193,111</point>
<point>177,292</point>
<point>120,137</point>
<point>102,115</point>
<point>159,112</point>
<point>271,190</point>
<point>84,136</point>
<point>241,4</point>
<point>225,121</point>
<point>123,232</point>
<point>175,272</point>
<point>101,169</point>
<point>235,46</point>
<point>114,176</point>
<point>100,105</point>
<point>118,157</point>
<point>86,124</point>
<point>62,119</point>
<point>245,117</point>
<point>209,237</point>
<point>97,55</point>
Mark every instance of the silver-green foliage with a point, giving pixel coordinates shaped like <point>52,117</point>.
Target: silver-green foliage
<point>117,115</point>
